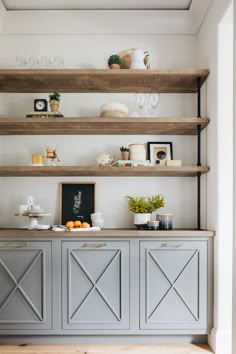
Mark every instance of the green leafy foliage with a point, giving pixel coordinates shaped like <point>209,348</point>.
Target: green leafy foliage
<point>123,148</point>
<point>145,204</point>
<point>55,96</point>
<point>114,59</point>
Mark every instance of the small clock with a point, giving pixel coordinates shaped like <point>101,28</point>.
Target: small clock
<point>40,105</point>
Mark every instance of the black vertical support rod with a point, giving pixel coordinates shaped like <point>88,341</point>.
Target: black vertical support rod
<point>199,154</point>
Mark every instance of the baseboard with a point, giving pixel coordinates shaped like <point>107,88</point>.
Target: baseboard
<point>220,341</point>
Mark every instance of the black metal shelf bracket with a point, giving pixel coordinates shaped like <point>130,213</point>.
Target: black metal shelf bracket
<point>199,154</point>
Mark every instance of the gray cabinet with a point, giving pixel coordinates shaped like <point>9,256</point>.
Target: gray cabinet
<point>95,285</point>
<point>173,285</point>
<point>25,285</point>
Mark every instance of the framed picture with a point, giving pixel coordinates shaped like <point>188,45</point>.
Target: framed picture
<point>158,153</point>
<point>77,201</point>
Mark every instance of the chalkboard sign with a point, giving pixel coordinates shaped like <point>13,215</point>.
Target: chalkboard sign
<point>77,201</point>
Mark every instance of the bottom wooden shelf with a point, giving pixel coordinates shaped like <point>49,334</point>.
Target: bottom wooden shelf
<point>106,171</point>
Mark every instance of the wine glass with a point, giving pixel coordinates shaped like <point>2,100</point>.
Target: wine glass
<point>140,100</point>
<point>154,100</point>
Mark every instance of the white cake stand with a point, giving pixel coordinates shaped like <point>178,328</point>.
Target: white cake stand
<point>33,219</point>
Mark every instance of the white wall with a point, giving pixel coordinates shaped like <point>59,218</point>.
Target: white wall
<point>215,43</point>
<point>92,51</point>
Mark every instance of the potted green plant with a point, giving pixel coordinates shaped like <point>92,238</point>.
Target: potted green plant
<point>142,207</point>
<point>54,99</point>
<point>114,62</point>
<point>124,152</point>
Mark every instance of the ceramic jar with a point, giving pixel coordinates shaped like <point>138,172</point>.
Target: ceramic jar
<point>137,152</point>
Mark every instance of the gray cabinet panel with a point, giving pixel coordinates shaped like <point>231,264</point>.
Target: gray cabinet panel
<point>25,290</point>
<point>95,283</point>
<point>173,285</point>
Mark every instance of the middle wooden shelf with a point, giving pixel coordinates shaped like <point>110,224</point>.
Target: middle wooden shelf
<point>106,171</point>
<point>102,126</point>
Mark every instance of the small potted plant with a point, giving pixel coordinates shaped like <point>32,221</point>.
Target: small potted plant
<point>142,207</point>
<point>54,99</point>
<point>124,152</point>
<point>114,62</point>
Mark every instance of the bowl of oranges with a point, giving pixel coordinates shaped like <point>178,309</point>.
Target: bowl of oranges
<point>77,225</point>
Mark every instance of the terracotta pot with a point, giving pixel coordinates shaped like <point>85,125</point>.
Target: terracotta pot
<point>54,105</point>
<point>125,155</point>
<point>114,66</point>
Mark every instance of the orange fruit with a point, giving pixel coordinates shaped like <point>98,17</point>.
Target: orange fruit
<point>70,224</point>
<point>77,223</point>
<point>85,225</point>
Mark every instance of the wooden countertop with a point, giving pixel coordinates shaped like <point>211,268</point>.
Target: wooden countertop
<point>106,233</point>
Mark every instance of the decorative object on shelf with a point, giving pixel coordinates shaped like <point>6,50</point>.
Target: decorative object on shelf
<point>137,152</point>
<point>154,100</point>
<point>113,109</point>
<point>124,152</point>
<point>126,59</point>
<point>38,160</point>
<point>97,219</point>
<point>114,61</point>
<point>33,62</point>
<point>137,59</point>
<point>51,155</point>
<point>174,163</point>
<point>153,225</point>
<point>143,208</point>
<point>77,201</point>
<point>44,115</point>
<point>165,221</point>
<point>160,152</point>
<point>54,98</point>
<point>131,163</point>
<point>40,105</point>
<point>104,160</point>
<point>140,102</point>
<point>33,212</point>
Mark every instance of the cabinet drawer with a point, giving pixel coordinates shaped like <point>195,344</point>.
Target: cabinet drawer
<point>173,285</point>
<point>25,292</point>
<point>95,282</point>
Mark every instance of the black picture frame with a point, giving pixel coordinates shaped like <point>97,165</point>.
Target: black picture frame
<point>77,201</point>
<point>159,152</point>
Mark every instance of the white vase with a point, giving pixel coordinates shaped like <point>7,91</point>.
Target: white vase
<point>141,219</point>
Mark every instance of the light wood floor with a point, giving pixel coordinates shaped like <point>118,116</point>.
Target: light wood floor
<point>105,349</point>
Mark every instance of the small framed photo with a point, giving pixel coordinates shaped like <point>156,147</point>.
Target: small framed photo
<point>159,152</point>
<point>77,201</point>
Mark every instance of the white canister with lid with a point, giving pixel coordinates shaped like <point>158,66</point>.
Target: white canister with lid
<point>137,152</point>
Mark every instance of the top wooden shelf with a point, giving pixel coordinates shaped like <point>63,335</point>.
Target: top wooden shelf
<point>92,80</point>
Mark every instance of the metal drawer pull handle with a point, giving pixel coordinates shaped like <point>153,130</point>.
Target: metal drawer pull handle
<point>93,245</point>
<point>169,244</point>
<point>14,245</point>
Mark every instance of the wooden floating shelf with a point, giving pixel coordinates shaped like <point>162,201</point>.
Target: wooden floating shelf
<point>100,126</point>
<point>95,80</point>
<point>107,171</point>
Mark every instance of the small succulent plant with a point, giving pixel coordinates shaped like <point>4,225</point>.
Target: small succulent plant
<point>114,59</point>
<point>123,148</point>
<point>55,96</point>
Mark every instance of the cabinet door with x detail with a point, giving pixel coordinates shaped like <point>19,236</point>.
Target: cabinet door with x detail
<point>95,282</point>
<point>25,285</point>
<point>173,285</point>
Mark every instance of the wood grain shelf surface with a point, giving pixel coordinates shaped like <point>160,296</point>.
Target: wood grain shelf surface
<point>106,171</point>
<point>127,233</point>
<point>100,126</point>
<point>96,80</point>
<point>178,348</point>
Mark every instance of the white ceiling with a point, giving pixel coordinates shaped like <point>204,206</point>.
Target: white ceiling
<point>24,5</point>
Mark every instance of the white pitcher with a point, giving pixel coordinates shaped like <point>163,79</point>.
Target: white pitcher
<point>138,57</point>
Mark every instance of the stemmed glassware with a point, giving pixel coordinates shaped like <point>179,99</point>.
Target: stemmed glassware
<point>154,99</point>
<point>146,104</point>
